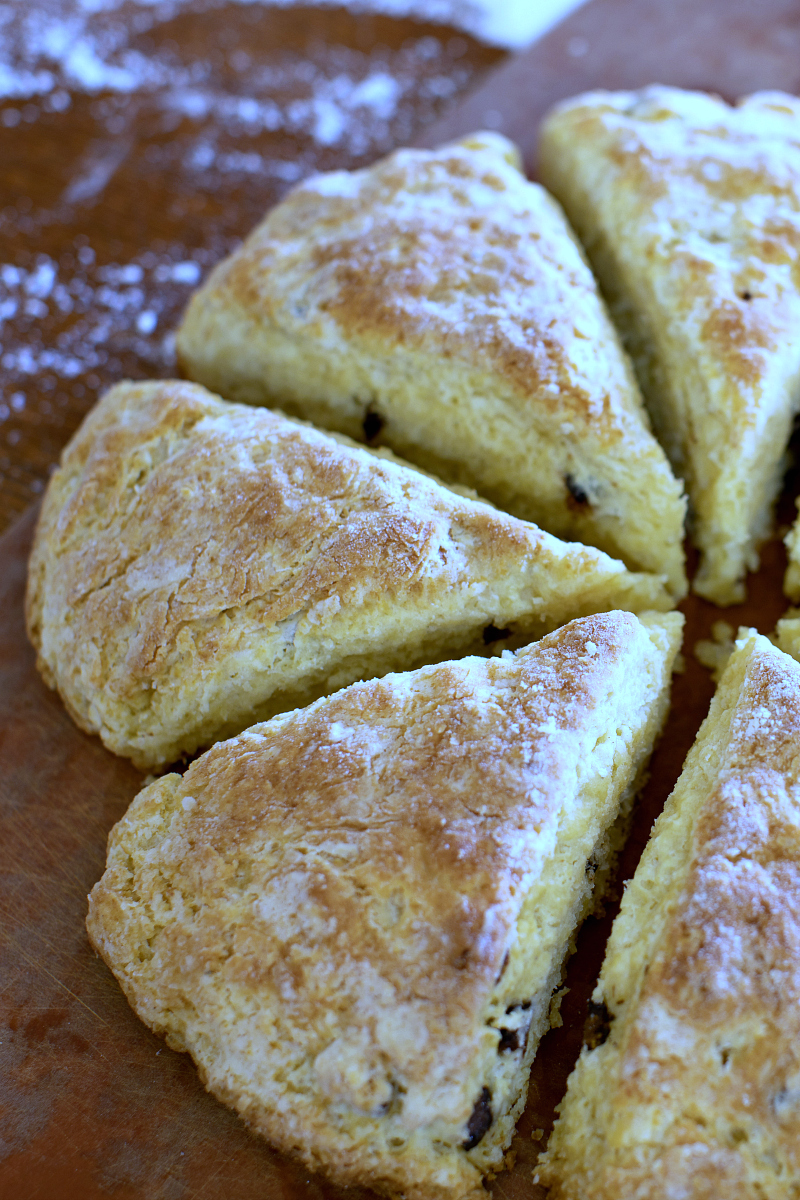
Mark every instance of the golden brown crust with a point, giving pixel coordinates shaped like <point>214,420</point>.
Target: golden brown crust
<point>198,562</point>
<point>701,1073</point>
<point>690,211</point>
<point>323,909</point>
<point>444,295</point>
<point>451,278</point>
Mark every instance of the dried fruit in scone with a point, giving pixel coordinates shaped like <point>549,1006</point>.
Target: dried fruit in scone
<point>201,565</point>
<point>690,212</point>
<point>438,303</point>
<point>354,915</point>
<point>689,1085</point>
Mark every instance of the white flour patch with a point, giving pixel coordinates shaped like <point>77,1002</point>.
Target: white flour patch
<point>84,45</point>
<point>96,309</point>
<point>162,153</point>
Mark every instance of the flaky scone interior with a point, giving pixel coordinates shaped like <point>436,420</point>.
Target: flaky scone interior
<point>689,1085</point>
<point>200,565</point>
<point>438,303</point>
<point>354,915</point>
<point>690,212</point>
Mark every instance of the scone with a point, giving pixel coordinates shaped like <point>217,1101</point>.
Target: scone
<point>438,303</point>
<point>689,1085</point>
<point>354,915</point>
<point>690,213</point>
<point>200,565</point>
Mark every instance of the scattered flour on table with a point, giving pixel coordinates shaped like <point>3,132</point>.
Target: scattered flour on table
<point>94,307</point>
<point>84,44</point>
<point>85,298</point>
<point>339,110</point>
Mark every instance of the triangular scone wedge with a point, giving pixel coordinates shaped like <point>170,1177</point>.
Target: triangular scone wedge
<point>354,915</point>
<point>200,565</point>
<point>689,1085</point>
<point>690,212</point>
<point>438,303</point>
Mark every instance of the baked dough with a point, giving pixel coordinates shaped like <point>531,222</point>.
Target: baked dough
<point>354,915</point>
<point>787,633</point>
<point>690,213</point>
<point>791,583</point>
<point>439,303</point>
<point>201,565</point>
<point>690,1084</point>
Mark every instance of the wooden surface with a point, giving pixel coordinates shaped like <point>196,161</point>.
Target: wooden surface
<point>91,1104</point>
<point>731,47</point>
<point>114,203</point>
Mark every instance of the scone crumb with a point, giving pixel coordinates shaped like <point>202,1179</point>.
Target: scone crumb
<point>326,914</point>
<point>714,654</point>
<point>556,1020</point>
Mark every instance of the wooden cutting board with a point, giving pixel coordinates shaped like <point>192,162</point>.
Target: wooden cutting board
<point>92,1104</point>
<point>113,203</point>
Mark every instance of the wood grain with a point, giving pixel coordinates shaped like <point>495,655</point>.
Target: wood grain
<point>124,196</point>
<point>92,1105</point>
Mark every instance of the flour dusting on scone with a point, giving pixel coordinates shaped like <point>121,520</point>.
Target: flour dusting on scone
<point>689,1085</point>
<point>690,212</point>
<point>200,565</point>
<point>354,915</point>
<point>438,303</point>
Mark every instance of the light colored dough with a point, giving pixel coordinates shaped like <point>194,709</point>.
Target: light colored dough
<point>791,583</point>
<point>201,565</point>
<point>690,212</point>
<point>343,913</point>
<point>787,633</point>
<point>695,1094</point>
<point>440,301</point>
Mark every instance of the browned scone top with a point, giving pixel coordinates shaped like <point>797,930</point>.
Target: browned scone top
<point>729,971</point>
<point>439,303</point>
<point>199,565</point>
<point>441,249</point>
<point>339,911</point>
<point>696,1093</point>
<point>690,211</point>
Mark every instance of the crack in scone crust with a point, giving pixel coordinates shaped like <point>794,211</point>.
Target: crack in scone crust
<point>695,1089</point>
<point>439,301</point>
<point>201,565</point>
<point>354,915</point>
<point>689,208</point>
